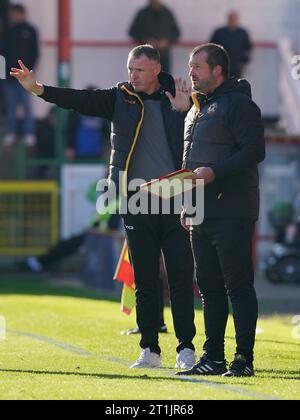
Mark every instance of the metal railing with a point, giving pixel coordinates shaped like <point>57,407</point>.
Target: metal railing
<point>28,217</point>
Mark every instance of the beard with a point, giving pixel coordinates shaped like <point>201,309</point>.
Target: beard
<point>203,86</point>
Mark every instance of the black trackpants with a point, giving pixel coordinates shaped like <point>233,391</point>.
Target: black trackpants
<point>147,236</point>
<point>223,255</point>
<point>161,302</point>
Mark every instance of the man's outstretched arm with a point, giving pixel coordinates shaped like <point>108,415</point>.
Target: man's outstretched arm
<point>98,102</point>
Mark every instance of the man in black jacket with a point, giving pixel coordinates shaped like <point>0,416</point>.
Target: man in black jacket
<point>224,142</point>
<point>20,39</point>
<point>147,142</point>
<point>155,24</point>
<point>236,42</point>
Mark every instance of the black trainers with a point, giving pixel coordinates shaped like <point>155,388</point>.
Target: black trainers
<point>240,368</point>
<point>206,367</point>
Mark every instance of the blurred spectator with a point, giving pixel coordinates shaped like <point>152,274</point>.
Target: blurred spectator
<point>45,147</point>
<point>87,136</point>
<point>105,224</point>
<point>280,217</point>
<point>156,25</point>
<point>236,41</point>
<point>3,17</point>
<point>20,42</point>
<point>3,20</point>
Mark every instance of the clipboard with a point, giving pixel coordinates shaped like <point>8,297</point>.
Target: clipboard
<point>161,186</point>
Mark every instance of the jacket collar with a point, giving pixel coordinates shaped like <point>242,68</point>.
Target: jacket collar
<point>231,85</point>
<point>167,84</point>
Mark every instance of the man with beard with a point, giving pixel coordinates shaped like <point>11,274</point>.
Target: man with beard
<point>224,142</point>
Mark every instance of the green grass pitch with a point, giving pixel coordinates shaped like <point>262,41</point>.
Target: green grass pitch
<point>65,344</point>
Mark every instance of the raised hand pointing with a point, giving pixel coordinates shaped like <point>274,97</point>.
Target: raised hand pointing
<point>27,79</point>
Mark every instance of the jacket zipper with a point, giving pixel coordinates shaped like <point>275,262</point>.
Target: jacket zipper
<point>138,129</point>
<point>198,106</point>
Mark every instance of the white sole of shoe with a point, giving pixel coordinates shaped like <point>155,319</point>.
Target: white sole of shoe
<point>145,367</point>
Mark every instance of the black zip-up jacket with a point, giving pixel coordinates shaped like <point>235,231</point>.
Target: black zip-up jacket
<point>20,41</point>
<point>224,131</point>
<point>125,109</point>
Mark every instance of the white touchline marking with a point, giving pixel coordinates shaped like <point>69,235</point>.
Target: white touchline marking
<point>84,353</point>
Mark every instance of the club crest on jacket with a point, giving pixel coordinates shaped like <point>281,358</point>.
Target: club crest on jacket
<point>212,109</point>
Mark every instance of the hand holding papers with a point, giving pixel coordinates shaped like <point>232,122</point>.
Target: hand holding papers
<point>170,185</point>
<point>186,189</point>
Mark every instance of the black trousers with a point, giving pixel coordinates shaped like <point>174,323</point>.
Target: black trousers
<point>161,302</point>
<point>223,255</point>
<point>147,236</point>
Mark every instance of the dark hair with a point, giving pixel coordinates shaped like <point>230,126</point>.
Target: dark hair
<point>216,56</point>
<point>17,8</point>
<point>148,50</point>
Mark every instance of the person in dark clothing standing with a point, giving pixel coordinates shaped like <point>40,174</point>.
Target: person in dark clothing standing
<point>45,145</point>
<point>147,142</point>
<point>224,143</point>
<point>236,42</point>
<point>156,25</point>
<point>3,18</point>
<point>104,224</point>
<point>3,21</point>
<point>20,40</point>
